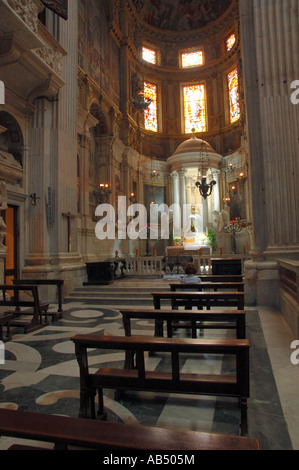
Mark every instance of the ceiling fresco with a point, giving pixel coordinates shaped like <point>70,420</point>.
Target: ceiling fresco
<point>182,15</point>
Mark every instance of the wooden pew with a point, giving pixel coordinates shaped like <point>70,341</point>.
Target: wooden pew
<point>47,282</point>
<point>213,286</point>
<point>221,277</point>
<point>33,307</point>
<point>230,319</point>
<point>65,431</point>
<point>5,321</point>
<point>200,299</point>
<point>188,319</point>
<point>236,385</point>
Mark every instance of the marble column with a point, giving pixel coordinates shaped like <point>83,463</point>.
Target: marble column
<point>270,58</point>
<point>216,191</point>
<point>175,187</point>
<point>182,192</point>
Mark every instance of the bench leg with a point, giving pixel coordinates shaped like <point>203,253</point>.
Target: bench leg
<point>101,414</point>
<point>244,423</point>
<point>84,408</point>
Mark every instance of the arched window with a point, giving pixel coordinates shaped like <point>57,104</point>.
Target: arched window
<point>233,90</point>
<point>149,55</point>
<point>151,113</point>
<point>192,59</point>
<point>230,42</point>
<point>195,108</point>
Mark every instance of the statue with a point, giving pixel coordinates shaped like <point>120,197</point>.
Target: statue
<point>3,206</point>
<point>221,220</point>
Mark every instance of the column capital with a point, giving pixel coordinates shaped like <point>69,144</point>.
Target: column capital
<point>182,172</point>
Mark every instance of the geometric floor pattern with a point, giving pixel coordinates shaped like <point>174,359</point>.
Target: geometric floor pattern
<point>41,374</point>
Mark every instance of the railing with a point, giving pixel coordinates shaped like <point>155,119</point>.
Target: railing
<point>168,265</point>
<point>144,266</point>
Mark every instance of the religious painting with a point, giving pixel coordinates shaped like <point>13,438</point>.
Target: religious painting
<point>237,196</point>
<point>154,194</point>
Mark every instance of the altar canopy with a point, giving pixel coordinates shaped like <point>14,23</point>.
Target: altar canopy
<point>195,159</point>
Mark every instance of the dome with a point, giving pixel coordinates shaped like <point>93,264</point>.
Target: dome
<point>191,152</point>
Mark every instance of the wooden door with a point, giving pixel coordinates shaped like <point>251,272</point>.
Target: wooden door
<point>11,269</point>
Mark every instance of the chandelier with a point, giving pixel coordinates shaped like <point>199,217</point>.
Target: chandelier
<point>204,187</point>
<point>102,193</point>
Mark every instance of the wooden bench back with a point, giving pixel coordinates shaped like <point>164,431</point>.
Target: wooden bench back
<point>16,301</point>
<point>215,286</point>
<point>94,434</point>
<point>221,277</point>
<point>171,316</point>
<point>200,299</point>
<point>175,346</point>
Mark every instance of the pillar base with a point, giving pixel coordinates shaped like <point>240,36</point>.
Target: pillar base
<point>261,282</point>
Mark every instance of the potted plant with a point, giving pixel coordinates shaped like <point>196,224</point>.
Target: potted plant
<point>212,239</point>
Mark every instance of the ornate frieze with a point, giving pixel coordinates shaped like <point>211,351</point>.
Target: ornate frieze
<point>28,11</point>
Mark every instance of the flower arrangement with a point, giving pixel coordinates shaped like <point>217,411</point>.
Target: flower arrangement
<point>116,253</point>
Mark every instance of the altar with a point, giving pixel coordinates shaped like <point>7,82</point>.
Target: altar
<point>189,250</point>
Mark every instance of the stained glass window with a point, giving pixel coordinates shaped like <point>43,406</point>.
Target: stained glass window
<point>195,108</point>
<point>233,88</point>
<point>151,113</point>
<point>149,55</point>
<point>230,42</point>
<point>192,59</point>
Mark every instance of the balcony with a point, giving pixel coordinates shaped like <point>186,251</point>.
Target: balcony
<point>30,58</point>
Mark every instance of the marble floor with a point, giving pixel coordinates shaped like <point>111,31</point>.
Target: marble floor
<point>41,374</point>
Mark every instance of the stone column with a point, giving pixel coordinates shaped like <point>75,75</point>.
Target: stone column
<point>216,191</point>
<point>175,188</point>
<point>251,85</point>
<point>271,64</point>
<point>182,192</point>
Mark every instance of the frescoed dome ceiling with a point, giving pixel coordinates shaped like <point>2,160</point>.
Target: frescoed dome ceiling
<point>181,15</point>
